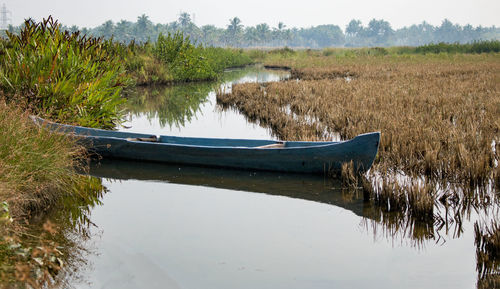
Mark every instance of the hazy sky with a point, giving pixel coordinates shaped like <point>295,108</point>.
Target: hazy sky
<point>91,13</point>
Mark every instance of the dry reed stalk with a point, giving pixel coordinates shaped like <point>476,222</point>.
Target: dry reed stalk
<point>487,241</point>
<point>438,118</point>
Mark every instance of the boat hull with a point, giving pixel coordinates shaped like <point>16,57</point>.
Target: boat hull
<point>297,157</point>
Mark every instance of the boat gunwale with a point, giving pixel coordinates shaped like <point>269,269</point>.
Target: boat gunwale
<point>315,145</point>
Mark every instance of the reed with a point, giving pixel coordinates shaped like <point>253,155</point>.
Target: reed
<point>38,181</point>
<point>438,116</point>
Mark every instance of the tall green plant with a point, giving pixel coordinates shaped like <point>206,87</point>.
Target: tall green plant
<point>62,75</point>
<point>185,60</point>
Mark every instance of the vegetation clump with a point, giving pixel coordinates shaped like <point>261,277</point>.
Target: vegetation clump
<point>37,178</point>
<point>173,58</point>
<point>64,76</point>
<point>438,118</point>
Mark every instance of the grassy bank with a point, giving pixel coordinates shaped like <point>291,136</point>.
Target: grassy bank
<point>37,180</point>
<point>68,78</point>
<point>173,58</point>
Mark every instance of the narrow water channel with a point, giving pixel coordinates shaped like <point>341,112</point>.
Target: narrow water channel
<point>164,226</point>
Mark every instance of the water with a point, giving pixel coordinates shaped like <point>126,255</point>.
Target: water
<point>195,109</point>
<point>164,226</point>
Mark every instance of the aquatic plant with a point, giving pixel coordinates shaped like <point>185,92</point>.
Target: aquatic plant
<point>438,117</point>
<point>487,241</point>
<point>64,76</point>
<point>173,58</point>
<point>38,182</point>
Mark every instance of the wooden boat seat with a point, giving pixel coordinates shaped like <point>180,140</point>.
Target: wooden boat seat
<point>270,146</point>
<point>146,139</point>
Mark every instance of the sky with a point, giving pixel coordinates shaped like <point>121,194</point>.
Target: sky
<point>92,13</point>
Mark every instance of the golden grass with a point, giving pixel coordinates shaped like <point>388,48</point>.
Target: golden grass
<point>36,167</point>
<point>438,116</point>
<point>38,181</point>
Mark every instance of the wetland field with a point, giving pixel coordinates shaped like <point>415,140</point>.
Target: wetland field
<point>425,216</point>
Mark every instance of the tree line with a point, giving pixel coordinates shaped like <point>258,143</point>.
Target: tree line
<point>235,34</point>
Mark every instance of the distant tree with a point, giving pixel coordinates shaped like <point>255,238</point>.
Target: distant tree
<point>354,28</point>
<point>123,31</point>
<point>263,32</point>
<point>448,32</point>
<point>234,30</point>
<point>251,36</point>
<point>280,34</point>
<point>379,31</point>
<point>323,36</point>
<point>185,20</point>
<point>354,32</point>
<point>73,29</point>
<point>209,34</point>
<point>143,28</point>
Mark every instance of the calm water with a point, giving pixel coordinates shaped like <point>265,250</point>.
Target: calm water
<point>163,226</point>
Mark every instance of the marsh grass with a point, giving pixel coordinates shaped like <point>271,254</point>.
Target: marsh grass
<point>438,115</point>
<point>38,181</point>
<point>35,165</point>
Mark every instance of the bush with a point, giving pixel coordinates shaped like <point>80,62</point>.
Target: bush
<point>64,76</point>
<point>474,47</point>
<point>185,61</point>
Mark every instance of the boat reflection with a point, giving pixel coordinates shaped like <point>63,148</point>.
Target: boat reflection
<point>306,187</point>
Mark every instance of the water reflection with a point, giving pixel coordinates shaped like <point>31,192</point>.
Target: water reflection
<point>169,105</point>
<point>191,110</point>
<point>50,248</point>
<point>300,186</point>
<point>193,227</point>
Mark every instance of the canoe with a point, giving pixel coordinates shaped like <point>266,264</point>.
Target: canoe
<point>291,156</point>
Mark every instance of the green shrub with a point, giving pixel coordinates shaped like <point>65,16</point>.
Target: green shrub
<point>474,47</point>
<point>64,76</point>
<point>185,61</point>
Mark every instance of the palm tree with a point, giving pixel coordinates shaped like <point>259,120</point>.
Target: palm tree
<point>184,20</point>
<point>234,31</point>
<point>143,28</point>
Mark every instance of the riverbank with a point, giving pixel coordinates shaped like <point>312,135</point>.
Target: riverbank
<point>173,59</point>
<point>70,78</point>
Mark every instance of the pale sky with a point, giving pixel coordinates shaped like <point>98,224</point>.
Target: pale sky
<point>91,13</point>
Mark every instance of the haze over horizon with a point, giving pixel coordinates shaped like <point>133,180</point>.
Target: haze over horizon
<point>399,14</point>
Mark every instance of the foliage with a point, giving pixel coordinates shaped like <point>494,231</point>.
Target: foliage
<point>62,75</point>
<point>378,32</point>
<point>35,165</point>
<point>38,178</point>
<point>474,47</point>
<point>173,58</point>
<point>185,61</point>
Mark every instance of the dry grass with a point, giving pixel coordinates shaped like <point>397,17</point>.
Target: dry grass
<point>36,166</point>
<point>38,181</point>
<point>438,117</point>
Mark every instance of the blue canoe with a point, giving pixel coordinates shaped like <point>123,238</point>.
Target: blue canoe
<point>269,155</point>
